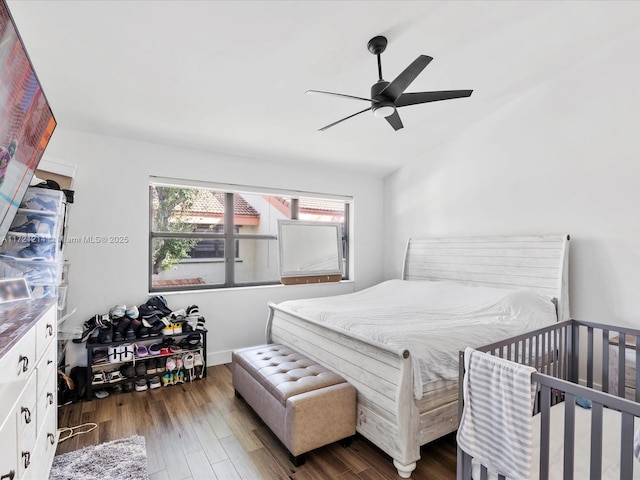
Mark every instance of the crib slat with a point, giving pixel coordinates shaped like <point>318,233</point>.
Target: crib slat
<point>483,473</point>
<point>574,352</point>
<point>621,364</point>
<point>590,356</point>
<point>637,389</point>
<point>545,418</point>
<point>605,361</point>
<point>569,429</point>
<point>596,442</point>
<point>626,446</point>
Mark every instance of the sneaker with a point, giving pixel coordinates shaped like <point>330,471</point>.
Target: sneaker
<point>177,328</point>
<point>141,385</point>
<point>118,311</point>
<point>171,364</point>
<point>200,324</point>
<point>114,376</point>
<point>154,349</point>
<point>179,377</point>
<point>154,382</point>
<point>188,362</point>
<point>126,353</point>
<point>178,314</point>
<point>98,378</point>
<point>128,370</point>
<point>88,328</point>
<point>167,379</point>
<point>198,365</point>
<point>193,311</point>
<point>160,303</point>
<point>152,366</point>
<point>141,368</point>
<point>128,386</point>
<point>117,388</point>
<point>141,351</point>
<point>132,312</point>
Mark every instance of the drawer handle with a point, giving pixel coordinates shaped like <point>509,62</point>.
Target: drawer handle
<point>50,397</point>
<point>52,439</point>
<point>8,476</point>
<point>25,362</point>
<point>50,329</point>
<point>26,456</point>
<point>27,414</point>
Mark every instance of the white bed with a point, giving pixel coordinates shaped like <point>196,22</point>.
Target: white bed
<point>388,340</point>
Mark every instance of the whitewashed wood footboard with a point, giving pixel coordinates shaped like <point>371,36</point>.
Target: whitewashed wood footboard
<point>387,412</point>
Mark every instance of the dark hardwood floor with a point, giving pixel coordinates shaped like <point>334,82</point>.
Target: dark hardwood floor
<point>200,430</point>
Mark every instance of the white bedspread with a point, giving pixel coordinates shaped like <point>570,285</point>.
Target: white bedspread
<point>433,320</point>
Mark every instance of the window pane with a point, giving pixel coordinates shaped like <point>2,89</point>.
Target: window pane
<point>321,210</point>
<point>172,267</point>
<point>257,261</point>
<point>181,209</point>
<point>258,214</point>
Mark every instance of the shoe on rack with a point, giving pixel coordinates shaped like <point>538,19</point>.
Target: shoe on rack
<point>118,311</point>
<point>88,328</point>
<point>177,328</point>
<point>141,351</point>
<point>193,311</point>
<point>160,303</point>
<point>188,360</point>
<point>141,385</point>
<point>141,368</point>
<point>152,366</point>
<point>114,376</point>
<point>115,389</point>
<point>167,379</point>
<point>171,364</point>
<point>178,314</point>
<point>132,312</point>
<point>128,370</point>
<point>98,378</point>
<point>198,365</point>
<point>128,386</point>
<point>154,382</point>
<point>200,324</point>
<point>126,353</point>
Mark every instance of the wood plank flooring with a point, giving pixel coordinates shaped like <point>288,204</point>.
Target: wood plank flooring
<point>200,431</point>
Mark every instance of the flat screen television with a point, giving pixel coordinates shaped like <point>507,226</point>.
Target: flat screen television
<point>26,120</point>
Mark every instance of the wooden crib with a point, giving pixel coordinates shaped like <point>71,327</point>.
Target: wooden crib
<point>575,359</point>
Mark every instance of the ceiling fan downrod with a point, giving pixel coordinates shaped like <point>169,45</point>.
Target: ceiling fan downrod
<point>376,46</point>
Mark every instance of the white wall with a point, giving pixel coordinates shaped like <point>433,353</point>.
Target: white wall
<point>563,158</point>
<point>111,186</point>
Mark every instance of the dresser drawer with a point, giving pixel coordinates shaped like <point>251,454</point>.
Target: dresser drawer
<point>47,369</point>
<point>45,448</point>
<point>9,450</point>
<point>26,421</point>
<point>46,401</point>
<point>45,330</point>
<point>20,361</point>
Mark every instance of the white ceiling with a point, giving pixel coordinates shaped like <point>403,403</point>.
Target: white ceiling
<point>230,76</point>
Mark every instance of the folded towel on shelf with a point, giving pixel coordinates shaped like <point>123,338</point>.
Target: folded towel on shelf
<point>496,424</point>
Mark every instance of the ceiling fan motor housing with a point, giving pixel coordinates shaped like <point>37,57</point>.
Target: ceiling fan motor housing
<point>382,106</point>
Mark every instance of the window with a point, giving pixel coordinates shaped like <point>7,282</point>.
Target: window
<point>216,236</point>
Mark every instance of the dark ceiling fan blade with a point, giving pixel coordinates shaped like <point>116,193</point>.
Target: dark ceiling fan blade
<point>402,81</point>
<point>342,120</point>
<point>320,92</point>
<point>425,97</point>
<point>394,121</point>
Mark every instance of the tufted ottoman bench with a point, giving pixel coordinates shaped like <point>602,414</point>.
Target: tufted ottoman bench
<point>304,404</point>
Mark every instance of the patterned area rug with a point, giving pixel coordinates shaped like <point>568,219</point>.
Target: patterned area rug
<point>125,458</point>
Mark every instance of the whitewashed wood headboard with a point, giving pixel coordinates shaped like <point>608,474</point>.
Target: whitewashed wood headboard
<point>538,263</point>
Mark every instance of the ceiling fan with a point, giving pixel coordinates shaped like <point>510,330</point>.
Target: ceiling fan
<point>387,97</point>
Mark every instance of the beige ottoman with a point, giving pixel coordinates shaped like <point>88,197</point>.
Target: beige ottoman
<point>304,404</point>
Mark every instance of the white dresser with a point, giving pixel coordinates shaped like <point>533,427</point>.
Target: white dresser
<point>28,389</point>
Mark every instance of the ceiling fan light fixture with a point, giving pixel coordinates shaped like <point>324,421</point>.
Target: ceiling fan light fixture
<point>384,111</point>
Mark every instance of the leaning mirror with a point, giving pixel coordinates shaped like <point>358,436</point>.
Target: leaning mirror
<point>310,252</point>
